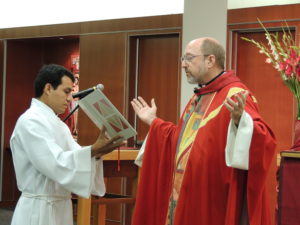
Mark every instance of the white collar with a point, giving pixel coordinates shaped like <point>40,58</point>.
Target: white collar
<point>41,105</point>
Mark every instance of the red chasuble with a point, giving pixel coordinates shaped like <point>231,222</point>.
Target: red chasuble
<point>211,193</point>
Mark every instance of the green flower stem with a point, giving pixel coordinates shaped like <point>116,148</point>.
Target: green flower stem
<point>297,96</point>
<point>298,109</point>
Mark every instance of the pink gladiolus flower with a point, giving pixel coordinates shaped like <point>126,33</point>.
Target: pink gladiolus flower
<point>282,66</point>
<point>289,70</point>
<point>293,54</point>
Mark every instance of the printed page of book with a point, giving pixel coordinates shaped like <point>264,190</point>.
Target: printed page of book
<point>103,113</point>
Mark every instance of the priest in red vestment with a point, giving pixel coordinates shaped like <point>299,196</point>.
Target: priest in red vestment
<point>211,168</point>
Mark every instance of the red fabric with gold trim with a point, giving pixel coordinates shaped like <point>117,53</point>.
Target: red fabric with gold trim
<point>211,192</point>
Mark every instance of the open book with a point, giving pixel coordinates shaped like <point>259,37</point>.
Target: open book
<point>103,113</point>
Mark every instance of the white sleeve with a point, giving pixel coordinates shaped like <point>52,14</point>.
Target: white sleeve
<point>98,185</point>
<point>238,143</point>
<point>139,159</point>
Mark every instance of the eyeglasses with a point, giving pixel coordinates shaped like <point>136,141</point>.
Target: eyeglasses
<point>189,58</point>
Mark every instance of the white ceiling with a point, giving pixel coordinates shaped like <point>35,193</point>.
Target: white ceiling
<point>19,13</point>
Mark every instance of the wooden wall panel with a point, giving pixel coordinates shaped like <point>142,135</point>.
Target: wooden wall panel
<point>102,61</point>
<point>59,51</point>
<point>159,76</point>
<point>23,62</point>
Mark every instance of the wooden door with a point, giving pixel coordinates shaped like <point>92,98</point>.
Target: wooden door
<point>155,73</point>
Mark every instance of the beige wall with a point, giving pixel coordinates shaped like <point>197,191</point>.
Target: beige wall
<point>200,19</point>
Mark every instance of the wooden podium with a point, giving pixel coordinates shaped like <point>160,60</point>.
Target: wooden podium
<point>127,169</point>
<point>289,186</point>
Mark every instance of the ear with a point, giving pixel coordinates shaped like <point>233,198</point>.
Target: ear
<point>211,61</point>
<point>47,89</point>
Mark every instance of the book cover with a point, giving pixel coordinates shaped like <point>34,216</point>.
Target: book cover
<point>103,113</point>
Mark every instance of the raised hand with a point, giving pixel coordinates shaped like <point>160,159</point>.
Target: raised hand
<point>236,108</point>
<point>146,113</point>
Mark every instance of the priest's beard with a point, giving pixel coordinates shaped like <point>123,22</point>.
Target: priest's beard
<point>191,79</point>
<point>196,77</point>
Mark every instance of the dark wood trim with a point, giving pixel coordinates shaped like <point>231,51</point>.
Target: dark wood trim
<point>1,88</point>
<point>265,13</point>
<point>116,25</point>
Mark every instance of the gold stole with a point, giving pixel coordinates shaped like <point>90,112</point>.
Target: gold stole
<point>194,118</point>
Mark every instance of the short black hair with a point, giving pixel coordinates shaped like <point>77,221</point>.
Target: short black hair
<point>51,74</point>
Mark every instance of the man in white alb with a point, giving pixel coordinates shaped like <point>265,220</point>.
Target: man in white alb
<point>49,164</point>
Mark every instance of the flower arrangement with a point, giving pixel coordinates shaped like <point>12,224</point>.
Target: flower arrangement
<point>284,56</point>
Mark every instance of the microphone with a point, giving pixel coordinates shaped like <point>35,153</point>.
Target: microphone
<point>85,92</point>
